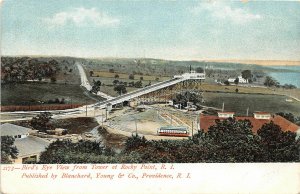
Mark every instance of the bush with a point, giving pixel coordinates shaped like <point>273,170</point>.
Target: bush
<point>131,76</point>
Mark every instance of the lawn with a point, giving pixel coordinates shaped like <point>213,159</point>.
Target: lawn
<point>31,93</point>
<point>105,74</point>
<point>256,102</point>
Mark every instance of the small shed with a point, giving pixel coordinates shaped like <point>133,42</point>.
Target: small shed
<point>141,108</point>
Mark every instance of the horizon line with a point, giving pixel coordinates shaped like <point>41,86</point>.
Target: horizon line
<point>242,61</point>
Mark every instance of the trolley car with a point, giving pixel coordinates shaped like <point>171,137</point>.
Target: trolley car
<point>178,131</point>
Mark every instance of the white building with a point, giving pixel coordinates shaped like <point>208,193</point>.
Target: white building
<point>29,147</point>
<point>241,80</point>
<point>191,75</point>
<point>225,114</point>
<point>262,115</point>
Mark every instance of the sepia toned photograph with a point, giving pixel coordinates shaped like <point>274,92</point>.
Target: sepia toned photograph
<point>143,85</point>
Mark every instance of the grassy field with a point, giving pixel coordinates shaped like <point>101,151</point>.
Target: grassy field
<point>256,102</point>
<point>107,79</point>
<point>105,74</point>
<point>110,90</point>
<point>31,93</point>
<point>212,87</point>
<point>232,88</point>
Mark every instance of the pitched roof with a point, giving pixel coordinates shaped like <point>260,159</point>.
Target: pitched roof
<point>285,125</point>
<point>208,120</point>
<point>12,130</point>
<point>30,145</point>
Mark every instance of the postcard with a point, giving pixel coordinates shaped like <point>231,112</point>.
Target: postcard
<point>150,96</point>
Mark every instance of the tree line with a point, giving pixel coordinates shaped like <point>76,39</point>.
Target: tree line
<point>18,70</point>
<point>226,141</point>
<point>229,140</point>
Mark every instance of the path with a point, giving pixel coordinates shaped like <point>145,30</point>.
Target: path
<point>85,82</point>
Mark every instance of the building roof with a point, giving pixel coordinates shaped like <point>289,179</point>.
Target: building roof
<point>262,113</point>
<point>180,128</point>
<point>208,120</point>
<point>30,145</point>
<point>8,129</point>
<point>227,112</point>
<point>285,125</point>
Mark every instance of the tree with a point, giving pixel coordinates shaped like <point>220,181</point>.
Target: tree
<point>278,146</point>
<point>120,89</point>
<point>246,74</point>
<point>287,116</point>
<point>115,82</point>
<point>236,90</point>
<point>236,81</point>
<point>141,78</point>
<point>199,70</point>
<point>134,142</point>
<point>84,151</point>
<point>131,76</point>
<point>138,84</point>
<point>269,81</point>
<point>53,79</point>
<point>117,76</point>
<point>131,84</point>
<point>184,97</point>
<point>149,84</point>
<point>8,150</point>
<point>289,86</point>
<point>41,122</point>
<point>91,73</point>
<point>96,87</point>
<point>226,83</point>
<point>229,140</point>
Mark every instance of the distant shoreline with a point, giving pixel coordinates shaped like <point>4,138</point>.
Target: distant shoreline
<point>259,62</point>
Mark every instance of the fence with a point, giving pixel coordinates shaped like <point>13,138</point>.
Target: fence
<point>39,107</point>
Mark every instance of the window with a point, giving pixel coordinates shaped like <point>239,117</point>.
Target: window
<point>29,160</point>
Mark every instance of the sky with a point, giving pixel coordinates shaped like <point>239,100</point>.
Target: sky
<point>177,30</point>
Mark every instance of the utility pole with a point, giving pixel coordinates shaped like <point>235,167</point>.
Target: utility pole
<point>102,119</point>
<point>86,108</point>
<point>223,107</point>
<point>135,128</point>
<point>192,129</point>
<point>106,113</point>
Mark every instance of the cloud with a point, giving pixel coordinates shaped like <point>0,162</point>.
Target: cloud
<point>222,11</point>
<point>82,17</point>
